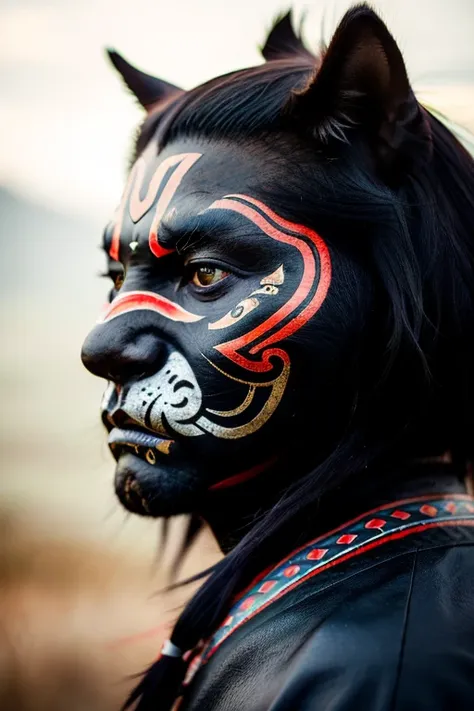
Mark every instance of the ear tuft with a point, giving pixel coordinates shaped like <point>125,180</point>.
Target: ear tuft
<point>362,84</point>
<point>283,42</point>
<point>147,89</point>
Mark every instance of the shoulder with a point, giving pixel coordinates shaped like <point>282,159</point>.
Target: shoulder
<point>395,641</point>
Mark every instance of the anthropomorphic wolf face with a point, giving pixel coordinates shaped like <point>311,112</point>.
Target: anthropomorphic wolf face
<point>211,345</point>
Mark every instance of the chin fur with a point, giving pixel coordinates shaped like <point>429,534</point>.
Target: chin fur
<point>156,489</point>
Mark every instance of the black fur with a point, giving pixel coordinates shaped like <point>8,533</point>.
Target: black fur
<point>399,188</point>
<point>283,42</point>
<point>146,88</point>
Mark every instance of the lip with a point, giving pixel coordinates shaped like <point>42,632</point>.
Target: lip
<point>144,444</point>
<point>138,438</point>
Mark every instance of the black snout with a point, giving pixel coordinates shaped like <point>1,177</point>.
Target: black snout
<point>114,352</point>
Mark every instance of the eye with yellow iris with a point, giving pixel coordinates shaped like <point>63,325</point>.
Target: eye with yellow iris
<point>207,276</point>
<point>118,281</point>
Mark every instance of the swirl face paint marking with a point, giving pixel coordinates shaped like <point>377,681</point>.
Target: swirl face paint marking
<point>310,252</point>
<point>311,291</point>
<point>253,351</point>
<point>268,286</point>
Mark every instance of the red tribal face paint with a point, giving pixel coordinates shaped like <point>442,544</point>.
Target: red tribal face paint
<point>147,301</point>
<point>161,188</point>
<point>312,288</point>
<point>257,342</point>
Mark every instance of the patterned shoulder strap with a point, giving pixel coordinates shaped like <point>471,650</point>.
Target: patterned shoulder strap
<point>374,528</point>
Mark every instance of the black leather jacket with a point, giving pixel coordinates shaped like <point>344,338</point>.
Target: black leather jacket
<point>382,621</point>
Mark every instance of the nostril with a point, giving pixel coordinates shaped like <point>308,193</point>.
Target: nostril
<point>119,418</point>
<point>116,377</point>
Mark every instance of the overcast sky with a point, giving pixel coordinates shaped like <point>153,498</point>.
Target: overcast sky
<point>66,121</point>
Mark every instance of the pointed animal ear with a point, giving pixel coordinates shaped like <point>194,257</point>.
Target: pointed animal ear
<point>362,84</point>
<point>147,89</point>
<point>283,42</point>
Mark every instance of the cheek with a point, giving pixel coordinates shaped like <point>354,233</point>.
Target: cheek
<point>327,356</point>
<point>237,313</point>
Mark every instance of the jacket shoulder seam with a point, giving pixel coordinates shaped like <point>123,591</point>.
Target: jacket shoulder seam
<point>406,616</point>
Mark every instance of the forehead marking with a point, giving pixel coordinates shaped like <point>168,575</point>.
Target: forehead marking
<point>187,160</point>
<point>138,207</point>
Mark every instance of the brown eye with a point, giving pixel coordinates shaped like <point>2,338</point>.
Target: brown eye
<point>207,276</point>
<point>118,281</point>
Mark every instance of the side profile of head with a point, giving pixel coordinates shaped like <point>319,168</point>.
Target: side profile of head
<point>259,243</point>
<point>293,290</point>
<point>269,269</point>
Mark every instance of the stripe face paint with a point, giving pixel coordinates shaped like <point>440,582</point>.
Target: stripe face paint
<point>259,351</point>
<point>312,286</point>
<point>147,301</point>
<point>138,207</point>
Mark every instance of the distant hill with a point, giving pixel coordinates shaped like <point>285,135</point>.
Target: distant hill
<point>53,451</point>
<point>46,254</point>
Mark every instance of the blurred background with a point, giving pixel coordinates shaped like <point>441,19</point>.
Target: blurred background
<point>76,573</point>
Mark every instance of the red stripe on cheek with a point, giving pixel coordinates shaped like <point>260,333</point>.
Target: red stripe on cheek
<point>147,301</point>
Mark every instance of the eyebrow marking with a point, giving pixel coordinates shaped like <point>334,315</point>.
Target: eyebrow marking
<point>147,301</point>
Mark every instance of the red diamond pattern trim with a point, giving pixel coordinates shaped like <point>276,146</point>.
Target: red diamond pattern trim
<point>402,515</point>
<point>428,510</point>
<point>317,553</point>
<point>308,560</point>
<point>346,538</point>
<point>247,603</point>
<point>291,571</point>
<point>267,586</point>
<point>375,523</point>
<point>192,669</point>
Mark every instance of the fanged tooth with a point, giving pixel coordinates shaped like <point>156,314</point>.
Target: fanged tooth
<point>164,447</point>
<point>137,449</point>
<point>150,456</point>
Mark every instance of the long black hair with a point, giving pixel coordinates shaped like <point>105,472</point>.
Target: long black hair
<point>415,389</point>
